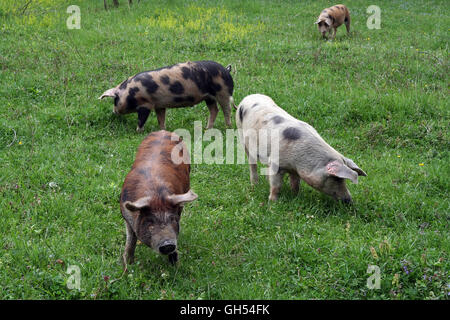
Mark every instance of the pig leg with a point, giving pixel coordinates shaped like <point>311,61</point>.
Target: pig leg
<point>294,180</point>
<point>130,246</point>
<point>347,24</point>
<point>142,118</point>
<point>253,173</point>
<point>161,116</point>
<point>334,33</point>
<point>225,104</point>
<point>213,110</point>
<point>275,185</point>
<point>275,180</point>
<point>253,167</point>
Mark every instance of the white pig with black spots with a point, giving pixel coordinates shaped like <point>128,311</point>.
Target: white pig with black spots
<point>301,151</point>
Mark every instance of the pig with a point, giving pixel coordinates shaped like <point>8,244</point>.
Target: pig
<point>302,153</point>
<point>154,193</point>
<point>331,18</point>
<point>180,85</point>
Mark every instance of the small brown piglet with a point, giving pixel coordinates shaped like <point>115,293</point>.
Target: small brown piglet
<point>331,18</point>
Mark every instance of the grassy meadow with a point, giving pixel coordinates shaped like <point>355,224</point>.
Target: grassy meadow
<point>380,97</point>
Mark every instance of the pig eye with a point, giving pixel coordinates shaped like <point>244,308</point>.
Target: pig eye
<point>151,220</point>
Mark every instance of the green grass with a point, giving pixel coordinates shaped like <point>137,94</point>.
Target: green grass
<point>379,97</point>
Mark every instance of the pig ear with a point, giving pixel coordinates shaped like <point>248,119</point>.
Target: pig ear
<point>340,170</point>
<point>181,199</point>
<point>354,167</point>
<point>137,205</point>
<point>109,93</point>
<point>317,22</point>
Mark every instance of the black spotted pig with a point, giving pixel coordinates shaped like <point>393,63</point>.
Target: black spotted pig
<point>332,18</point>
<point>180,85</point>
<point>153,195</point>
<point>302,153</point>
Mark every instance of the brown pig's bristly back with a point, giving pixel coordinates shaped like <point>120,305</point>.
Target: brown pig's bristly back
<point>154,173</point>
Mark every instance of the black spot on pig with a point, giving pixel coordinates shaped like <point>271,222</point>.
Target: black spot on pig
<point>165,79</point>
<point>161,191</point>
<point>186,73</point>
<point>198,76</point>
<point>189,98</point>
<point>131,99</point>
<point>164,153</point>
<point>202,74</point>
<point>124,84</point>
<point>147,82</point>
<point>242,113</point>
<point>209,101</point>
<point>144,172</point>
<point>291,133</point>
<point>176,88</point>
<point>184,99</point>
<point>277,119</point>
<point>212,68</point>
<point>124,196</point>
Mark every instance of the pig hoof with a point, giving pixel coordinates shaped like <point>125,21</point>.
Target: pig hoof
<point>139,129</point>
<point>127,260</point>
<point>173,258</point>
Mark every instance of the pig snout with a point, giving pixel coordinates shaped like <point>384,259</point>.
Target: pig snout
<point>347,200</point>
<point>167,246</point>
<point>344,197</point>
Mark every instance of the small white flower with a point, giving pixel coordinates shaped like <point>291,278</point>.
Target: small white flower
<point>52,184</point>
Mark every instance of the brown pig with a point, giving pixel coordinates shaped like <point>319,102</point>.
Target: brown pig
<point>154,193</point>
<point>180,85</point>
<point>332,18</point>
